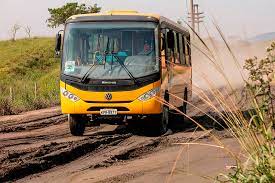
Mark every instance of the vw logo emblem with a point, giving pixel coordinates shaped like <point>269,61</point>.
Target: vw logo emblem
<point>108,96</point>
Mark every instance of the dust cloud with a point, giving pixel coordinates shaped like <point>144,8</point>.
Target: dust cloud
<point>205,71</point>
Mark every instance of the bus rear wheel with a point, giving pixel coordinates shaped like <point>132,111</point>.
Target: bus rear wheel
<point>77,124</point>
<point>184,104</point>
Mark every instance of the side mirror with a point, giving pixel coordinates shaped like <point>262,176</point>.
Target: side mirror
<point>58,39</point>
<point>170,40</point>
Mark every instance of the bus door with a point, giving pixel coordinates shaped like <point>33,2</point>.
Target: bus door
<point>164,63</point>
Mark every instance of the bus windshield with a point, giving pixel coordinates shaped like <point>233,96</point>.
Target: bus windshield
<point>110,50</point>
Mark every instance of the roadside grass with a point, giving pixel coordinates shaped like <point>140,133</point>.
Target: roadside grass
<point>29,75</point>
<point>254,133</point>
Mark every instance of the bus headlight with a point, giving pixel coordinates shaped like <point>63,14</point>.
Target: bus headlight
<point>69,95</point>
<point>150,94</point>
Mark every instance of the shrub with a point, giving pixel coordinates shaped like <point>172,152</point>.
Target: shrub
<point>6,107</point>
<point>256,135</point>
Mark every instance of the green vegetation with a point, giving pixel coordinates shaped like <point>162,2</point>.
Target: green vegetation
<point>29,75</point>
<point>60,15</point>
<point>258,138</point>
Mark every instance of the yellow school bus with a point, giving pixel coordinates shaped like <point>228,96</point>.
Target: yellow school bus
<point>122,64</point>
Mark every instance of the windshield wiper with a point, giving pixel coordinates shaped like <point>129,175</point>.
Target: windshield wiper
<point>126,69</point>
<point>87,74</point>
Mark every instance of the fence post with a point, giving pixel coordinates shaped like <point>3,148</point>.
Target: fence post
<point>11,94</point>
<point>35,90</point>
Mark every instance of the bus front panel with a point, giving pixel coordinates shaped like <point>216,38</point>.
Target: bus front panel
<point>76,101</point>
<point>106,54</point>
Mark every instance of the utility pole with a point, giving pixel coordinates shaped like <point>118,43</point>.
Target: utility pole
<point>198,17</point>
<point>195,17</point>
<point>192,14</point>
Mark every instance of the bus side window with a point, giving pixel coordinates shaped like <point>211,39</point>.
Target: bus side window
<point>188,51</point>
<point>169,51</point>
<point>163,49</point>
<point>176,49</point>
<point>162,40</point>
<point>184,61</point>
<point>172,46</point>
<point>181,49</point>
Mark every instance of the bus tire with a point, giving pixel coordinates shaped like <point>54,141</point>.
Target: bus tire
<point>184,104</point>
<point>77,125</point>
<point>162,121</point>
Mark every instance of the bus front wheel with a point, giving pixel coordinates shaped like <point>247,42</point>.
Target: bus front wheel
<point>162,121</point>
<point>77,124</point>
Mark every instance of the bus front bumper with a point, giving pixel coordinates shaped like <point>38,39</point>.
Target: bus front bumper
<point>136,107</point>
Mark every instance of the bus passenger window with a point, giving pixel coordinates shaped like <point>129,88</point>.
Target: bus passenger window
<point>168,49</point>
<point>184,47</point>
<point>181,50</point>
<point>163,46</point>
<point>176,55</point>
<point>187,51</point>
<point>171,46</point>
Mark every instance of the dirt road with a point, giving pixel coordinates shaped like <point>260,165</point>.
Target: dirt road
<point>37,147</point>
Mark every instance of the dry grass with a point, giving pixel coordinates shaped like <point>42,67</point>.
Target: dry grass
<point>254,135</point>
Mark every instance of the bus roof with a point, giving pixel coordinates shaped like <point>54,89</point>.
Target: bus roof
<point>127,15</point>
<point>115,12</point>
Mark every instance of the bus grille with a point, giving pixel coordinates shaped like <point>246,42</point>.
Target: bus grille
<point>98,108</point>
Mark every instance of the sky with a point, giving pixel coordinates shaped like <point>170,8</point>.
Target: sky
<point>238,18</point>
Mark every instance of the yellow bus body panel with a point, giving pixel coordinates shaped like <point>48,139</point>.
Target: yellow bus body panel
<point>90,99</point>
<point>117,12</point>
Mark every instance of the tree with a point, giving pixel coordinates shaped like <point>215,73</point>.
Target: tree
<point>58,16</point>
<point>28,31</point>
<point>14,30</point>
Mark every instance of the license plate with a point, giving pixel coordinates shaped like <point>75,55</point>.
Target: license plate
<point>108,112</point>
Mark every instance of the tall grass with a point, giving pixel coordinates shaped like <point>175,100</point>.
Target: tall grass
<point>254,132</point>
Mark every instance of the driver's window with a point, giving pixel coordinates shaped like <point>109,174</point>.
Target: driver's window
<point>143,43</point>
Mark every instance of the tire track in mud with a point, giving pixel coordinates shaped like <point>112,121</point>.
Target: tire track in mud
<point>33,146</point>
<point>45,134</point>
<point>112,154</point>
<point>130,154</point>
<point>18,164</point>
<point>142,149</point>
<point>38,137</point>
<point>30,140</point>
<point>33,124</point>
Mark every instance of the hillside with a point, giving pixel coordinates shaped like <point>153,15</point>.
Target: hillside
<point>28,75</point>
<point>263,37</point>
